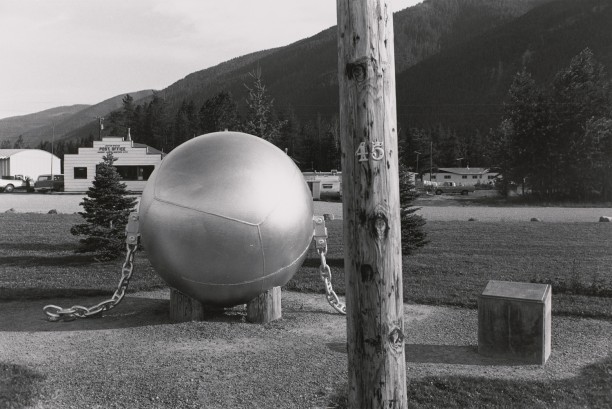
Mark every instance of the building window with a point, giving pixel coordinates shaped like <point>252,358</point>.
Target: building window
<point>463,176</point>
<point>135,172</point>
<point>490,177</point>
<point>447,176</point>
<point>433,177</point>
<point>80,173</point>
<point>474,177</point>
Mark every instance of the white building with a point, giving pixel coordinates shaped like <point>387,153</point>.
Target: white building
<point>135,163</point>
<point>462,176</point>
<point>28,163</point>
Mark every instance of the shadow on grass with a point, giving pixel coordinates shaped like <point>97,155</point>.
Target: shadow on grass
<point>19,386</point>
<point>591,389</point>
<point>22,294</point>
<point>46,261</point>
<point>316,262</point>
<point>442,354</point>
<point>28,315</point>
<point>133,311</point>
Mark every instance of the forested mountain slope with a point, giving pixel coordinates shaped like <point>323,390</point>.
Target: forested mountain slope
<point>455,60</point>
<point>463,87</point>
<point>303,75</point>
<point>80,118</point>
<point>12,127</point>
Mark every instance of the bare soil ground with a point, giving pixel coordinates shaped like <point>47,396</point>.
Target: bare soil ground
<point>135,357</point>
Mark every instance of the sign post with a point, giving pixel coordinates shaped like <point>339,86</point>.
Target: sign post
<point>372,231</point>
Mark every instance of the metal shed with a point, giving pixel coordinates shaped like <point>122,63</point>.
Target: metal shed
<point>28,163</point>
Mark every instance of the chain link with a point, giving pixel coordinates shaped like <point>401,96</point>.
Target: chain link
<point>55,313</point>
<point>320,238</point>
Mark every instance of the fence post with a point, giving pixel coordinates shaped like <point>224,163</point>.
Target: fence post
<point>370,180</point>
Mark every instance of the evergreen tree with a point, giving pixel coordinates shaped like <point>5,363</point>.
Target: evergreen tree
<point>555,141</point>
<point>413,234</point>
<point>414,142</point>
<point>581,92</point>
<point>219,113</point>
<point>107,208</point>
<point>20,143</point>
<point>261,120</point>
<point>155,124</point>
<point>310,146</point>
<point>524,151</point>
<point>127,117</point>
<point>502,138</point>
<point>137,126</point>
<point>6,144</point>
<point>333,144</point>
<point>128,112</point>
<point>186,123</point>
<point>291,138</point>
<point>599,135</point>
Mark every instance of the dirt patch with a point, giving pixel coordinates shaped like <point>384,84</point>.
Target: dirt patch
<point>134,357</point>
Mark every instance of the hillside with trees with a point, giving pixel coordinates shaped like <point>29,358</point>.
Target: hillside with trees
<point>455,62</point>
<point>12,127</point>
<point>68,123</point>
<point>453,99</point>
<point>302,76</point>
<point>464,87</point>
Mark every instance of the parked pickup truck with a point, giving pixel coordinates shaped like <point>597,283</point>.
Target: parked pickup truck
<point>46,183</point>
<point>10,183</point>
<point>452,187</point>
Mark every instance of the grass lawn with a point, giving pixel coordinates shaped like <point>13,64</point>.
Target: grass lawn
<point>463,256</point>
<point>37,260</point>
<point>589,390</point>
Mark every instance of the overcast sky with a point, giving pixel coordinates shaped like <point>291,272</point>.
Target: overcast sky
<point>65,52</point>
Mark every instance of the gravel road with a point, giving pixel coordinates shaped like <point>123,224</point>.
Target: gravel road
<point>67,203</point>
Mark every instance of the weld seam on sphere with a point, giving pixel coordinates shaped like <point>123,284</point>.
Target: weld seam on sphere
<point>202,211</point>
<point>257,280</point>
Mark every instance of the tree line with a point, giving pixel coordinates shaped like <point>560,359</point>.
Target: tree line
<point>555,141</point>
<point>313,144</point>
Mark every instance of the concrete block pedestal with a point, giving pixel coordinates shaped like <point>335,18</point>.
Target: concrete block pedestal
<point>514,321</point>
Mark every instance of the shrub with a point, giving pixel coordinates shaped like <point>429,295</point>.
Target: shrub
<point>107,208</point>
<point>413,234</point>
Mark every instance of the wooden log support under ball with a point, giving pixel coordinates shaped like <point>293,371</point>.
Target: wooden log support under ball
<point>266,307</point>
<point>183,308</point>
<point>262,309</point>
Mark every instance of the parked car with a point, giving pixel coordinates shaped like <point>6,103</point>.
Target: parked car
<point>452,187</point>
<point>47,183</point>
<point>10,183</point>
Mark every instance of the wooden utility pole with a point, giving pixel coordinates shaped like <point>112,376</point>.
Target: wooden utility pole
<point>370,180</point>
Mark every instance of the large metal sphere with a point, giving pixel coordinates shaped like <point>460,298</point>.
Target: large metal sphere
<point>225,217</point>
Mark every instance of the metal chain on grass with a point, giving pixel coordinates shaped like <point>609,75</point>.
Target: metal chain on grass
<point>55,313</point>
<point>320,238</point>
